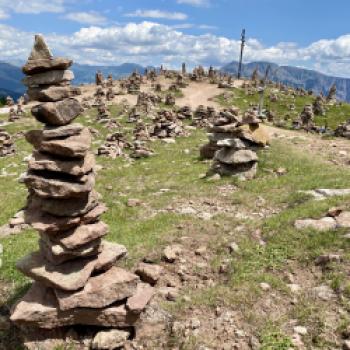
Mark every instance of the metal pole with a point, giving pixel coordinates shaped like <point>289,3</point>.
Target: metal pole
<point>241,55</point>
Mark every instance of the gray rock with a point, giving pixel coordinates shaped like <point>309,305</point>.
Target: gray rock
<point>149,273</point>
<point>324,224</point>
<point>57,113</point>
<point>44,64</point>
<point>232,156</point>
<point>110,340</point>
<point>46,187</point>
<point>74,167</point>
<point>53,93</point>
<point>48,78</point>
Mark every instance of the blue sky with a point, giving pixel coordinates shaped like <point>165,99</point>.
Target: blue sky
<point>309,33</point>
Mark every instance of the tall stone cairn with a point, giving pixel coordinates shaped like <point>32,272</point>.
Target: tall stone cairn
<point>75,278</point>
<point>233,141</point>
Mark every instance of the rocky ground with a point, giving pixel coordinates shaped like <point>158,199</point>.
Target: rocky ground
<point>232,270</point>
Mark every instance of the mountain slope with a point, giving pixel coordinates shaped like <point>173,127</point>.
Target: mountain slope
<point>11,76</point>
<point>294,76</point>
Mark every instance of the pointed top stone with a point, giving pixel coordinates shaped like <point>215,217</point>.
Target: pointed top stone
<point>40,49</point>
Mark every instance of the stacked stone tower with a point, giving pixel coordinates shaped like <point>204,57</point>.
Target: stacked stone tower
<point>75,278</point>
<point>236,139</point>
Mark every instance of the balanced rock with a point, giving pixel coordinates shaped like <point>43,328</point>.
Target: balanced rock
<point>57,113</point>
<point>76,167</point>
<point>53,93</point>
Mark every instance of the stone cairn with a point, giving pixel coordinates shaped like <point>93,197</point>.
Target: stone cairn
<point>236,138</point>
<point>184,112</point>
<point>114,146</point>
<point>343,130</point>
<point>202,116</point>
<point>7,146</point>
<point>75,278</point>
<point>166,125</point>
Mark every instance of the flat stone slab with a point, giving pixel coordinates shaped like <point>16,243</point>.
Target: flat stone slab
<point>53,93</point>
<point>72,275</point>
<point>44,222</point>
<point>48,78</point>
<point>77,237</point>
<point>324,224</point>
<point>138,302</point>
<point>43,65</point>
<point>58,254</point>
<point>53,132</point>
<point>111,253</point>
<point>47,187</point>
<point>75,146</point>
<point>57,113</point>
<point>68,276</point>
<point>115,284</point>
<point>39,308</point>
<point>67,207</point>
<point>74,167</point>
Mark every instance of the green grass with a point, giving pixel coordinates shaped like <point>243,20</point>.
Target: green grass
<point>145,231</point>
<point>333,117</point>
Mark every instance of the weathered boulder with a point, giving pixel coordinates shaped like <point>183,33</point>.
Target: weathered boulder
<point>57,113</point>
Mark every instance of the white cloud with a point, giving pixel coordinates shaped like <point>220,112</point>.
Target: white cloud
<point>149,43</point>
<point>207,27</point>
<point>33,6</point>
<point>158,14</point>
<point>199,3</point>
<point>3,14</point>
<point>92,17</point>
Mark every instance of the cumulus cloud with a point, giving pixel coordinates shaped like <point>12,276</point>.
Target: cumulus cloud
<point>150,43</point>
<point>32,6</point>
<point>3,14</point>
<point>157,14</point>
<point>92,17</point>
<point>198,3</point>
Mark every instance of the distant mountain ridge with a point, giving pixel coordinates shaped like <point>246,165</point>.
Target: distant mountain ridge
<point>11,76</point>
<point>294,76</point>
